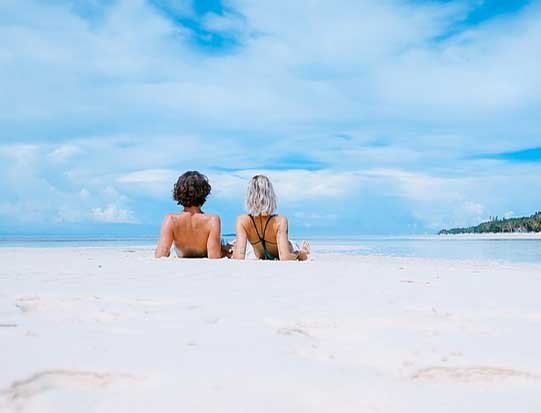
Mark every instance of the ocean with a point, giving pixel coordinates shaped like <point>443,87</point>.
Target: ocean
<point>520,250</point>
<point>523,250</point>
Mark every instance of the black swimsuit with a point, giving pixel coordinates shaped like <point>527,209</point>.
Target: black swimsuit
<point>267,255</point>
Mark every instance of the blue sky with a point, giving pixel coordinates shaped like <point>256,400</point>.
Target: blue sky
<point>393,116</point>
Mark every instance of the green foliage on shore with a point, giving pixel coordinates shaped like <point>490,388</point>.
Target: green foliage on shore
<point>497,225</point>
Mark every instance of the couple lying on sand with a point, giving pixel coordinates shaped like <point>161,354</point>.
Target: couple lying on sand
<point>197,234</point>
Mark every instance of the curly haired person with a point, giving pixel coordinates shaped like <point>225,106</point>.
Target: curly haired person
<point>193,233</point>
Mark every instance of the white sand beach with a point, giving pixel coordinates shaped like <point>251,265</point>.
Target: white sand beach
<point>114,330</point>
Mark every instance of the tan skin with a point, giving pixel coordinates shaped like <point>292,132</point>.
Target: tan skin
<point>276,238</point>
<point>194,234</point>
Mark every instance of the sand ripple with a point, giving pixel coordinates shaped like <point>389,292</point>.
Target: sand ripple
<point>22,391</point>
<point>471,374</point>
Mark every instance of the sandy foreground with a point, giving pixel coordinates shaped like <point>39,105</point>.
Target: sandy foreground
<point>113,330</point>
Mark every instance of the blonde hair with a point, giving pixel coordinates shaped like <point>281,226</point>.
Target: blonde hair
<point>260,197</point>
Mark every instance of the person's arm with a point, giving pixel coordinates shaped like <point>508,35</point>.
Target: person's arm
<point>214,244</point>
<point>282,238</point>
<point>241,240</point>
<point>163,249</point>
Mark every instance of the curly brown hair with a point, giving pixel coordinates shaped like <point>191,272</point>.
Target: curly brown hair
<point>191,189</point>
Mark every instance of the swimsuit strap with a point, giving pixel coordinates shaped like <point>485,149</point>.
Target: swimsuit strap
<point>266,225</point>
<point>261,237</point>
<point>262,240</point>
<point>256,230</point>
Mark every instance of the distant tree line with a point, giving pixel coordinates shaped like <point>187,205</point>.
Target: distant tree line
<point>524,224</point>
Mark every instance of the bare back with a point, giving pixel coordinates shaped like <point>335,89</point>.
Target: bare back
<point>262,233</point>
<point>269,238</point>
<point>194,234</point>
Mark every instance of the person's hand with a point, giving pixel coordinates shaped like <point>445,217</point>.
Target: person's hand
<point>304,252</point>
<point>227,249</point>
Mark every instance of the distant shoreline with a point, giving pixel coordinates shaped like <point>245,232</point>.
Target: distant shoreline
<point>494,235</point>
<point>522,225</point>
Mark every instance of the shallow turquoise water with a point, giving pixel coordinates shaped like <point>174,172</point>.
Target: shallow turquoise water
<point>511,250</point>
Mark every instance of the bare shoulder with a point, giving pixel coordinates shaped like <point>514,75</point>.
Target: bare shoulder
<point>170,219</point>
<point>243,218</point>
<point>168,224</point>
<point>281,220</point>
<point>213,219</point>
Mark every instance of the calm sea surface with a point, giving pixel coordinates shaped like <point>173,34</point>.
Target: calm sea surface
<point>512,250</point>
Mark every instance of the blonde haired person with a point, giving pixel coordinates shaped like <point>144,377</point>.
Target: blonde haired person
<point>265,230</point>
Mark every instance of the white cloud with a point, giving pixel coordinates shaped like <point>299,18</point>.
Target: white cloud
<point>298,185</point>
<point>114,214</point>
<point>134,108</point>
<point>509,214</point>
<point>474,208</point>
<point>64,152</point>
<point>420,187</point>
<point>366,61</point>
<point>152,182</point>
<point>148,176</point>
<point>291,185</point>
<point>22,153</point>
